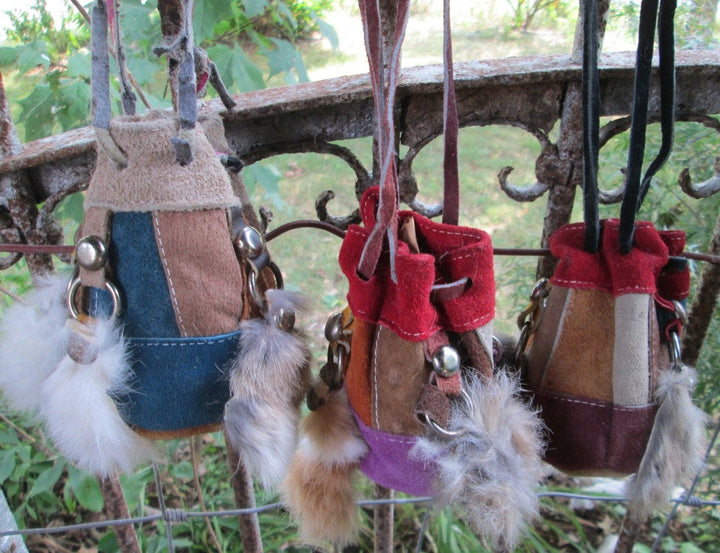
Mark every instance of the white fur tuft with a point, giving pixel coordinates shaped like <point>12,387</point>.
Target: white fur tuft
<point>34,340</point>
<point>81,417</point>
<point>676,446</point>
<point>491,470</point>
<point>268,379</point>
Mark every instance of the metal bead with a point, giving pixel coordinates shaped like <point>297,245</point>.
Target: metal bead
<point>285,319</point>
<point>251,242</point>
<point>446,361</point>
<point>333,328</point>
<point>91,253</point>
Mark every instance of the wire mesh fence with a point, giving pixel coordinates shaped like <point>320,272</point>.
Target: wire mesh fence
<point>9,533</point>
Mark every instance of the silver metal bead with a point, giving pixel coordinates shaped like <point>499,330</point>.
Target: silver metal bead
<point>91,253</point>
<point>251,242</point>
<point>285,319</point>
<point>446,361</point>
<point>334,328</point>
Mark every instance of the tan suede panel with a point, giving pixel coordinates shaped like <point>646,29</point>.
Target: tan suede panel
<point>357,377</point>
<point>398,375</point>
<point>631,372</point>
<point>96,222</point>
<point>543,342</point>
<point>153,180</point>
<point>202,270</point>
<point>582,361</point>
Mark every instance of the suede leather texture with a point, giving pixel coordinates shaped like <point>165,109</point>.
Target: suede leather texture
<point>180,385</point>
<point>594,361</point>
<point>201,269</point>
<point>608,270</point>
<point>153,180</point>
<point>594,438</point>
<point>448,253</point>
<point>389,464</point>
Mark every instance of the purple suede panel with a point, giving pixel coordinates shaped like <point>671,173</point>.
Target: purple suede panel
<point>389,464</point>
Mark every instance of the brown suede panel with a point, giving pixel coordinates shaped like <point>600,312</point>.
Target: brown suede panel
<point>582,361</point>
<point>202,270</point>
<point>543,341</point>
<point>175,434</point>
<point>477,357</point>
<point>594,438</point>
<point>399,372</point>
<point>434,404</point>
<point>96,222</point>
<point>357,377</point>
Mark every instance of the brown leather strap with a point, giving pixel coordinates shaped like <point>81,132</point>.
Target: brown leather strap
<point>451,188</point>
<point>384,97</point>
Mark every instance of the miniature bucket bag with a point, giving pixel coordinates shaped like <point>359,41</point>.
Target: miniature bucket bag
<point>411,371</point>
<point>600,341</point>
<point>175,323</point>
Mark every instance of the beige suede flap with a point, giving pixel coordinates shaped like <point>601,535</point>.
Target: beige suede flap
<point>153,180</point>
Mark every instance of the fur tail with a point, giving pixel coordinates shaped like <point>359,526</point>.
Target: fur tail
<point>34,340</point>
<point>78,410</point>
<point>490,470</point>
<point>676,446</point>
<point>268,379</point>
<point>319,488</point>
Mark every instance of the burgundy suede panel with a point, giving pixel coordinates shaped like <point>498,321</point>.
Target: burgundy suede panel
<point>608,270</point>
<point>592,437</point>
<point>405,306</point>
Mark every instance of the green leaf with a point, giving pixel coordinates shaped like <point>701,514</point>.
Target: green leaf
<point>85,488</point>
<point>37,112</point>
<point>78,65</point>
<point>207,13</point>
<point>30,58</point>
<point>182,471</point>
<point>327,31</point>
<point>73,103</point>
<point>7,465</point>
<point>8,55</point>
<point>253,8</point>
<point>285,58</point>
<point>47,479</point>
<point>236,69</point>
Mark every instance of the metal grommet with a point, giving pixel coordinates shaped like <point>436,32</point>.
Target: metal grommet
<point>285,319</point>
<point>251,242</point>
<point>91,253</point>
<point>446,361</point>
<point>444,431</point>
<point>73,288</point>
<point>334,328</point>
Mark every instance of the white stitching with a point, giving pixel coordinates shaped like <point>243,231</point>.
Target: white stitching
<point>375,371</point>
<point>181,324</point>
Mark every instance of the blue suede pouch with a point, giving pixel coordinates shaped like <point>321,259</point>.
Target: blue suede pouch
<point>177,383</point>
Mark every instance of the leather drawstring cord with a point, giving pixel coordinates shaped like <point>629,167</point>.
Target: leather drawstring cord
<point>635,188</point>
<point>591,124</point>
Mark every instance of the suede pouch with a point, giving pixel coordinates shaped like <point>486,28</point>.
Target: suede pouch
<point>599,343</point>
<point>173,276</point>
<point>443,295</point>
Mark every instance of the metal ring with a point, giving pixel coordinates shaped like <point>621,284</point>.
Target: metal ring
<point>444,431</point>
<point>675,350</point>
<point>72,289</point>
<point>252,283</point>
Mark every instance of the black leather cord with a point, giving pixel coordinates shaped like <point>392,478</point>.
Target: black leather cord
<point>666,50</point>
<point>638,125</point>
<point>591,125</point>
